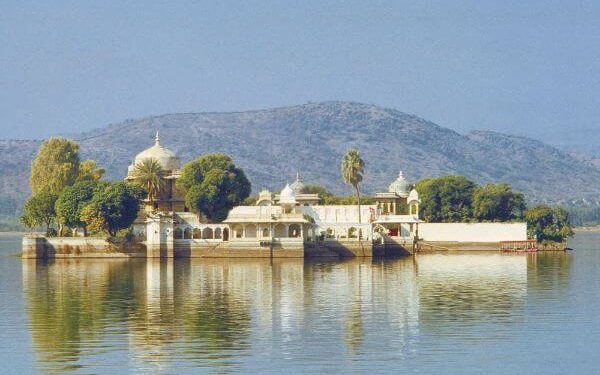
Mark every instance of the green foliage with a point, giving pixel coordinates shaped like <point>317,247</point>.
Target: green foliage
<point>55,166</point>
<point>497,202</point>
<point>72,200</point>
<point>548,223</point>
<point>329,198</point>
<point>250,201</point>
<point>39,210</point>
<point>446,199</point>
<point>352,169</point>
<point>149,174</point>
<point>326,196</point>
<point>581,216</point>
<point>112,208</point>
<point>308,218</point>
<point>213,185</point>
<point>89,171</point>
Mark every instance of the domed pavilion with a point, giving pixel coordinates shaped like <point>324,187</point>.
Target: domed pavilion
<point>394,201</point>
<point>169,199</point>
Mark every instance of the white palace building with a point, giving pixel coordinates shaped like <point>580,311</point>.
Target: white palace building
<point>291,223</point>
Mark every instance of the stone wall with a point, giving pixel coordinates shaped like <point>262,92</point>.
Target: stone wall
<point>78,247</point>
<point>95,247</point>
<point>238,249</point>
<point>339,249</point>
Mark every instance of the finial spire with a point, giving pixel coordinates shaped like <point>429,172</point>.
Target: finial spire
<point>297,176</point>
<point>157,138</point>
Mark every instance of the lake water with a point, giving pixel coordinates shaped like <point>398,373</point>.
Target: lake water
<point>467,313</point>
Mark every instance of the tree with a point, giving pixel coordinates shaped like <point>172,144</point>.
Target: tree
<point>89,171</point>
<point>72,200</point>
<point>113,207</point>
<point>352,170</point>
<point>328,197</point>
<point>39,210</point>
<point>55,166</point>
<point>497,202</point>
<point>213,185</point>
<point>548,223</point>
<point>325,195</point>
<point>149,174</point>
<point>446,198</point>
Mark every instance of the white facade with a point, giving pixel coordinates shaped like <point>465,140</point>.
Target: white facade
<point>341,222</point>
<point>473,232</point>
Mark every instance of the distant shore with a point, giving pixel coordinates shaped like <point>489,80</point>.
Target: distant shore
<point>592,228</point>
<point>11,233</point>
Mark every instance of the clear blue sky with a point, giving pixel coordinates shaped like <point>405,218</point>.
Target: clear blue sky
<point>529,68</point>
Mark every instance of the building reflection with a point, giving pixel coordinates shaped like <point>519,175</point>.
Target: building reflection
<point>215,312</point>
<point>458,290</point>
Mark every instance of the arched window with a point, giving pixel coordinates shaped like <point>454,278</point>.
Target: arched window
<point>207,233</point>
<point>237,231</point>
<point>251,231</point>
<point>280,231</point>
<point>329,233</point>
<point>178,234</point>
<point>225,234</point>
<point>352,232</point>
<point>197,234</point>
<point>265,232</point>
<point>294,231</point>
<point>218,233</point>
<point>187,234</point>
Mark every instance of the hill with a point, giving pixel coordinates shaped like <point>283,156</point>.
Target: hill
<point>273,144</point>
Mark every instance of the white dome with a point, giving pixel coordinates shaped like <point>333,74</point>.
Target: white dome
<point>297,186</point>
<point>413,196</point>
<point>166,158</point>
<point>400,186</point>
<point>287,195</point>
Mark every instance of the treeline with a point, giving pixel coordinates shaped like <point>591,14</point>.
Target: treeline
<point>9,211</point>
<point>69,193</point>
<point>452,199</point>
<point>457,199</point>
<point>581,216</point>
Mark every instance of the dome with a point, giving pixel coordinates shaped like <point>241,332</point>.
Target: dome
<point>298,186</point>
<point>166,158</point>
<point>287,195</point>
<point>400,186</point>
<point>413,196</point>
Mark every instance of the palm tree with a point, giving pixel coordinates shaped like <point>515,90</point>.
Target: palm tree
<point>149,174</point>
<point>352,170</point>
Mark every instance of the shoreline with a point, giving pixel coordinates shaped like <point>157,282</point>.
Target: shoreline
<point>594,228</point>
<point>11,233</point>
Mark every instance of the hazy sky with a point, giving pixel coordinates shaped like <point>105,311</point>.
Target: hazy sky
<point>521,67</point>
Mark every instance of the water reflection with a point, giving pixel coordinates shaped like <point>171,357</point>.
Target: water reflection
<point>166,316</point>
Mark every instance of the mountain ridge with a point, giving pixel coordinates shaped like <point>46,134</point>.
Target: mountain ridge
<point>273,144</point>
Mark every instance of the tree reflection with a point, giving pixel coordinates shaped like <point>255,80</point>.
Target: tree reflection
<point>76,307</point>
<point>548,271</point>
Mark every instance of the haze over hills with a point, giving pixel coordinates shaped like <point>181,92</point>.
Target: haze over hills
<point>273,144</point>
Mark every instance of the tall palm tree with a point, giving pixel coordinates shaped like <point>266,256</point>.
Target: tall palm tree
<point>353,168</point>
<point>149,174</point>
